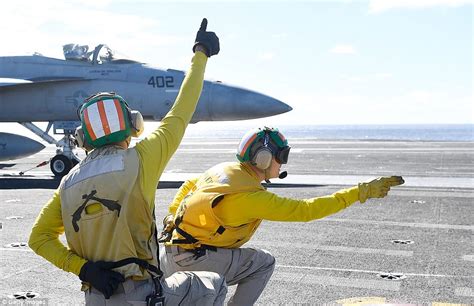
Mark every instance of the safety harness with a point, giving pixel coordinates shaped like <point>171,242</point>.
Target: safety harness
<point>154,271</point>
<point>189,239</point>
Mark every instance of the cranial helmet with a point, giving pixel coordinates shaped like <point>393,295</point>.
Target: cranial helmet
<point>106,119</point>
<point>259,145</point>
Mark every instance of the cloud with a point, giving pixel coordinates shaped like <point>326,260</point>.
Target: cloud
<point>379,6</point>
<point>353,78</point>
<point>343,49</point>
<point>266,56</point>
<point>383,75</point>
<point>280,35</point>
<point>45,26</point>
<point>366,78</point>
<point>426,106</point>
<point>411,107</point>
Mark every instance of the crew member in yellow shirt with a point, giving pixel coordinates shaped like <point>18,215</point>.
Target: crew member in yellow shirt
<point>213,215</point>
<point>105,205</point>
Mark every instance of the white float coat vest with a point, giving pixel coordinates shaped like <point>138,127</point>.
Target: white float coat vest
<point>104,213</point>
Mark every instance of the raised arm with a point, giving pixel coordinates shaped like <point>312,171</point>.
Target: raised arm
<point>156,150</point>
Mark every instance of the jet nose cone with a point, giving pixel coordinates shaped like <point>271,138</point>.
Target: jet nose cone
<point>234,103</point>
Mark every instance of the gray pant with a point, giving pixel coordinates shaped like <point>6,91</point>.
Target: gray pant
<point>248,268</point>
<point>182,288</point>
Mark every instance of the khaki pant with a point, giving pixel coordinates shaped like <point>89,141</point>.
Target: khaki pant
<point>183,288</point>
<point>248,268</point>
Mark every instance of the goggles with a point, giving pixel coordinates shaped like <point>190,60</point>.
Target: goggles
<point>282,155</point>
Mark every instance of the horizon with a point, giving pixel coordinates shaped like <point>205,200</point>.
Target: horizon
<point>336,63</point>
<point>242,126</point>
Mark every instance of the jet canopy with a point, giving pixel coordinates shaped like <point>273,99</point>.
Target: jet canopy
<point>100,55</point>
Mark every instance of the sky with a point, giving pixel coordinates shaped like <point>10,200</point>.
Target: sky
<point>334,62</point>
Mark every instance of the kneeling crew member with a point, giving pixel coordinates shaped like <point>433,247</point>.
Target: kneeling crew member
<point>213,215</point>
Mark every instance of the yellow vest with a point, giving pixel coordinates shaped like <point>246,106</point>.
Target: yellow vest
<point>104,213</point>
<point>196,223</point>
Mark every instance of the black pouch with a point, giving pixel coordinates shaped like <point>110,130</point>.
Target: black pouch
<point>155,300</point>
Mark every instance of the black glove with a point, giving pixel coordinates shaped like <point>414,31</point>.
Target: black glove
<point>100,276</point>
<point>207,39</point>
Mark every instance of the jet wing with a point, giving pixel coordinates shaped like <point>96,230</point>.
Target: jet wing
<point>8,82</point>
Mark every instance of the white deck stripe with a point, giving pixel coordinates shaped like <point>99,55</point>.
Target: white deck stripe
<point>216,150</point>
<point>112,115</point>
<point>336,281</point>
<point>464,291</point>
<point>405,224</point>
<point>468,257</point>
<point>16,249</point>
<point>24,270</point>
<point>352,180</point>
<point>96,122</point>
<point>332,248</point>
<point>345,150</point>
<point>371,271</point>
<point>372,150</point>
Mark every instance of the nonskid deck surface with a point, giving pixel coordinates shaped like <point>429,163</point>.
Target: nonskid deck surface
<point>413,247</point>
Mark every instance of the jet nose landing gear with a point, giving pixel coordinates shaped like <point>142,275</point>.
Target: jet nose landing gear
<point>60,165</point>
<point>65,158</point>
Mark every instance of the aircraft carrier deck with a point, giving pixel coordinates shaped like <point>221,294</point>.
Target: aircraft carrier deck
<point>414,247</point>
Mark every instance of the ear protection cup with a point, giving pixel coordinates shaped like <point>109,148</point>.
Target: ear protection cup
<point>138,124</point>
<point>79,136</point>
<point>80,139</point>
<point>262,159</point>
<point>260,145</point>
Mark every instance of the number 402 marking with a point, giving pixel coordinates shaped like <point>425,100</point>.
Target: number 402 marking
<point>161,81</point>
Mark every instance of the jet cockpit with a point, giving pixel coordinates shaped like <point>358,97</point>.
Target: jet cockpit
<point>100,55</point>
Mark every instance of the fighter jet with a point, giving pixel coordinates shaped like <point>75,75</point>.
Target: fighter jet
<point>39,88</point>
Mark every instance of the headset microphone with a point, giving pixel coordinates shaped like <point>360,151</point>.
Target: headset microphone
<point>282,175</point>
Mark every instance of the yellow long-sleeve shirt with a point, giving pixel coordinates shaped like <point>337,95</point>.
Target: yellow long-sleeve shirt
<point>246,207</point>
<point>154,153</point>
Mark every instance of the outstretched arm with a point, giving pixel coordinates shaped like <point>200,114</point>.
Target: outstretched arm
<point>269,206</point>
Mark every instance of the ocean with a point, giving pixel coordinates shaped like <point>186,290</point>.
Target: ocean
<point>419,132</point>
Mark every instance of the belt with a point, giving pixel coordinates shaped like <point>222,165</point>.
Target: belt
<point>198,252</point>
<point>127,286</point>
<point>174,249</point>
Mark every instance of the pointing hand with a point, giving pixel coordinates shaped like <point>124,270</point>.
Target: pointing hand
<point>206,40</point>
<point>378,188</point>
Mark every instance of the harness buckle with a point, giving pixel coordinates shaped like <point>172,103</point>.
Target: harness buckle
<point>199,252</point>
